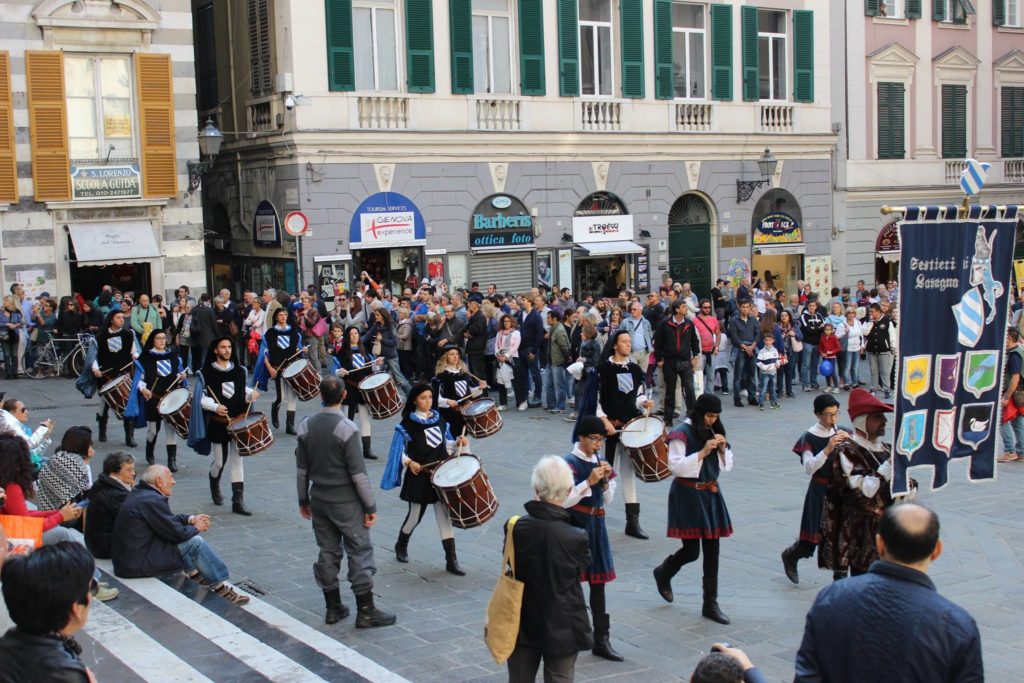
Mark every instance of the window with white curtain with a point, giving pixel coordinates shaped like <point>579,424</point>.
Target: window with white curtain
<point>894,8</point>
<point>376,47</point>
<point>771,46</point>
<point>1013,13</point>
<point>492,47</point>
<point>595,18</point>
<point>101,121</point>
<point>688,41</point>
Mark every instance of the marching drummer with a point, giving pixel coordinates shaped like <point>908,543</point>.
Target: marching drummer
<point>223,394</point>
<point>281,344</point>
<point>452,385</point>
<point>116,350</point>
<point>354,363</point>
<point>620,398</point>
<point>158,370</point>
<point>593,488</point>
<point>697,453</point>
<point>422,440</point>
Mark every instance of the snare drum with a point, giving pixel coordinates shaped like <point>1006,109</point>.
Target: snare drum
<point>116,393</point>
<point>381,396</point>
<point>303,378</point>
<point>251,434</point>
<point>176,408</point>
<point>644,440</point>
<point>482,418</point>
<point>465,490</point>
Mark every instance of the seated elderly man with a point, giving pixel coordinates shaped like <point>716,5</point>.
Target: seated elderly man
<point>149,540</point>
<point>105,499</point>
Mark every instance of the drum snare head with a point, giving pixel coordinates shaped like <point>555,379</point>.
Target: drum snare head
<point>635,435</point>
<point>113,383</point>
<point>245,422</point>
<point>374,381</point>
<point>456,471</point>
<point>295,367</point>
<point>174,400</point>
<point>479,407</point>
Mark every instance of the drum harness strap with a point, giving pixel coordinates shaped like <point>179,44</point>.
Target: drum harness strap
<point>820,480</point>
<point>711,486</point>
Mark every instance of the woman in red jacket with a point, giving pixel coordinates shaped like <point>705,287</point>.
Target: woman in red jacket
<point>829,348</point>
<point>16,480</point>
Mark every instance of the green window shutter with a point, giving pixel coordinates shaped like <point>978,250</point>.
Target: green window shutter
<point>751,89</point>
<point>871,8</point>
<point>341,73</point>
<point>1012,122</point>
<point>531,47</point>
<point>663,86</point>
<point>568,49</point>
<point>898,100</point>
<point>803,55</point>
<point>890,104</point>
<point>721,52</point>
<point>999,12</point>
<point>954,121</point>
<point>938,10</point>
<point>419,45</point>
<point>632,15</point>
<point>460,21</point>
<point>913,9</point>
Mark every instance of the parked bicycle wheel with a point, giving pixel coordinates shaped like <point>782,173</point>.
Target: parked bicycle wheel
<point>76,363</point>
<point>46,364</point>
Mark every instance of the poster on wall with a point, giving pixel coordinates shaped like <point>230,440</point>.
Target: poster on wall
<point>266,226</point>
<point>435,270</point>
<point>643,272</point>
<point>544,269</point>
<point>458,271</point>
<point>818,274</point>
<point>565,268</point>
<point>34,282</point>
<point>738,271</point>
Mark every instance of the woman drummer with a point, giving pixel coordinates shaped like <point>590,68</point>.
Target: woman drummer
<point>697,454</point>
<point>281,344</point>
<point>422,439</point>
<point>354,364</point>
<point>452,385</point>
<point>157,371</point>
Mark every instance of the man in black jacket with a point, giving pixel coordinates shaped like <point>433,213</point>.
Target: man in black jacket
<point>105,499</point>
<point>476,338</point>
<point>531,336</point>
<point>677,349</point>
<point>204,329</point>
<point>550,553</point>
<point>150,541</point>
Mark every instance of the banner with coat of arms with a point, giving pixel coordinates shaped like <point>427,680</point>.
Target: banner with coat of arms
<point>953,305</point>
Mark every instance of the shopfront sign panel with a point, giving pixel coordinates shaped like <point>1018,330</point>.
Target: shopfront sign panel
<point>266,226</point>
<point>106,182</point>
<point>602,228</point>
<point>500,221</point>
<point>778,228</point>
<point>386,219</point>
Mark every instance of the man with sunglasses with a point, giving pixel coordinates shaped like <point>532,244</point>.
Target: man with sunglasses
<point>710,333</point>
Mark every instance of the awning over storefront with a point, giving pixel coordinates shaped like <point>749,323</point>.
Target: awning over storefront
<point>609,248</point>
<point>106,244</point>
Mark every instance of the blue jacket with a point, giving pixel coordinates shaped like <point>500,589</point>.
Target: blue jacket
<point>147,534</point>
<point>889,625</point>
<point>531,334</point>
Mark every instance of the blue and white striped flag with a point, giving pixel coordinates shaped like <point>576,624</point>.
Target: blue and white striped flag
<point>973,177</point>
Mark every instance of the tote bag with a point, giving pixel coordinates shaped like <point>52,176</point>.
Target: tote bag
<point>501,628</point>
<point>25,534</point>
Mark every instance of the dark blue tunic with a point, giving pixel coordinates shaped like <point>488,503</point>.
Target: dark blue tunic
<point>814,500</point>
<point>601,569</point>
<point>694,513</point>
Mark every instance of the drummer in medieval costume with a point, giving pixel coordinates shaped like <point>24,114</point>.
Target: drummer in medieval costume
<point>116,351</point>
<point>697,453</point>
<point>353,363</point>
<point>422,440</point>
<point>620,398</point>
<point>453,387</point>
<point>594,484</point>
<point>858,490</point>
<point>221,395</point>
<point>816,449</point>
<point>157,372</point>
<point>281,344</point>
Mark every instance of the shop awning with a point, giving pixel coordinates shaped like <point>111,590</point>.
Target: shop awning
<point>779,249</point>
<point>888,256</point>
<point>106,244</point>
<point>607,248</point>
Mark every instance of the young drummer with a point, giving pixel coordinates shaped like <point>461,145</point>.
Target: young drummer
<point>452,384</point>
<point>281,344</point>
<point>157,371</point>
<point>354,363</point>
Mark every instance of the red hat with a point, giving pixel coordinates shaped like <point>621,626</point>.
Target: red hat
<point>863,403</point>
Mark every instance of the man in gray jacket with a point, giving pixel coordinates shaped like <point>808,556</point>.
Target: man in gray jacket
<point>335,493</point>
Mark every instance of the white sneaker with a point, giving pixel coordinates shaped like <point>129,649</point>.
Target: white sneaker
<point>522,406</point>
<point>501,408</point>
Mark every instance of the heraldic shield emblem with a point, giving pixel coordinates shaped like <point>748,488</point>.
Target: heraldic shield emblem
<point>969,315</point>
<point>947,375</point>
<point>975,424</point>
<point>916,375</point>
<point>944,431</point>
<point>163,367</point>
<point>433,436</point>
<point>912,434</point>
<point>981,371</point>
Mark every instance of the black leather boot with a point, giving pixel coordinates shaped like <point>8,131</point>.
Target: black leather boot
<point>633,522</point>
<point>602,639</point>
<point>790,556</point>
<point>367,614</point>
<point>237,502</point>
<point>402,547</point>
<point>663,574</point>
<point>275,415</point>
<point>367,452</point>
<point>711,609</point>
<point>101,424</point>
<point>215,494</point>
<point>289,427</point>
<point>336,611</point>
<point>150,447</point>
<point>172,458</point>
<point>451,562</point>
<point>129,434</point>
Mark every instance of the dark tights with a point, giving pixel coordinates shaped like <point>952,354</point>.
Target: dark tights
<point>691,551</point>
<point>597,604</point>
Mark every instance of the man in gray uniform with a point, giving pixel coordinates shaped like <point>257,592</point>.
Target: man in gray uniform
<point>335,493</point>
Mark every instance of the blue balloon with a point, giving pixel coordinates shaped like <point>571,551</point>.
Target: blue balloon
<point>826,368</point>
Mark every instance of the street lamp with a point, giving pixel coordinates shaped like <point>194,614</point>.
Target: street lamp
<point>210,139</point>
<point>767,165</point>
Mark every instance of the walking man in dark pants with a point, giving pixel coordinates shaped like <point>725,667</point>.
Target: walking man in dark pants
<point>677,349</point>
<point>335,493</point>
<point>743,333</point>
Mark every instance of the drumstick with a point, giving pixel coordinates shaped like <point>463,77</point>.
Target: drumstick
<point>458,453</point>
<point>476,378</point>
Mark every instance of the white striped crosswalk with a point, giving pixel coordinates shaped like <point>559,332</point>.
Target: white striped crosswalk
<point>148,629</point>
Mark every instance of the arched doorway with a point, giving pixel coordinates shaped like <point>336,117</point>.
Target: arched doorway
<point>778,242</point>
<point>689,243</point>
<point>887,253</point>
<point>605,254</point>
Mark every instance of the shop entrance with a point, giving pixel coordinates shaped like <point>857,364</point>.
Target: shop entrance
<point>394,268</point>
<point>604,261</point>
<point>127,277</point>
<point>602,276</point>
<point>887,253</point>
<point>689,244</point>
<point>778,241</point>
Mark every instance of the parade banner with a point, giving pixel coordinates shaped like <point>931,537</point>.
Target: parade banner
<point>954,296</point>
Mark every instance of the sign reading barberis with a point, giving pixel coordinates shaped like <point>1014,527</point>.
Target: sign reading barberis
<point>500,221</point>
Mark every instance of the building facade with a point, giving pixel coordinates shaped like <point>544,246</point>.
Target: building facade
<point>589,144</point>
<point>928,84</point>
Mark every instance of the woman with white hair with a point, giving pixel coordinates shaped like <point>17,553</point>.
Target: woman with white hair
<point>550,554</point>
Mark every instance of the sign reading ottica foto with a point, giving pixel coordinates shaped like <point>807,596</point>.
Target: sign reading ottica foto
<point>386,219</point>
<point>602,228</point>
<point>500,221</point>
<point>106,182</point>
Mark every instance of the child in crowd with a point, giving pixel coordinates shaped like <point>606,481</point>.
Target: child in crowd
<point>768,361</point>
<point>829,347</point>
